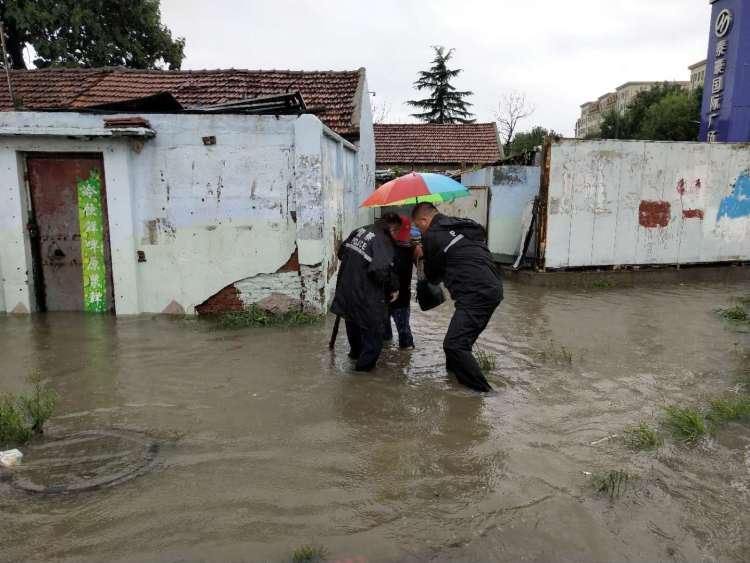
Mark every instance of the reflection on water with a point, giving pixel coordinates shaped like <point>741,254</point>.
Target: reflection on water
<point>269,441</point>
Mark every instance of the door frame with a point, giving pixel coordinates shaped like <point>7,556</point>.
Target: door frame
<point>32,226</point>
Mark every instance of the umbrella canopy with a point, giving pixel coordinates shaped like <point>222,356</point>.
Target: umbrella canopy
<point>416,187</point>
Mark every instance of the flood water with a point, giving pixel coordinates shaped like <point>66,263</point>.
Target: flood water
<point>268,441</point>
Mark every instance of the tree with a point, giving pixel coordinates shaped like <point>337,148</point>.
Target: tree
<point>89,33</point>
<point>445,104</point>
<point>380,112</point>
<point>513,107</point>
<point>675,117</point>
<point>526,142</point>
<point>666,112</point>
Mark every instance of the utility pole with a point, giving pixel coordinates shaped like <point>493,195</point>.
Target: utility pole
<point>6,65</point>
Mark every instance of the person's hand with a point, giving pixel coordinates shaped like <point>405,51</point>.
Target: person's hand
<point>418,252</point>
<point>394,296</point>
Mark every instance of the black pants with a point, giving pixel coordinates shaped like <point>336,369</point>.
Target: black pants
<point>465,327</point>
<point>365,345</point>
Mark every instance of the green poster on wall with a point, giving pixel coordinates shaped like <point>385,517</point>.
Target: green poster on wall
<point>91,222</point>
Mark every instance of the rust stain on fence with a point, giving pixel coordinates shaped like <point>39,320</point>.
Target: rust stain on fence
<point>654,214</point>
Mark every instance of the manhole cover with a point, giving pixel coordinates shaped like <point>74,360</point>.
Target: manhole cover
<point>84,461</point>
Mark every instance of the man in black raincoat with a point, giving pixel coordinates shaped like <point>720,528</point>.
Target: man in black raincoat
<point>365,285</point>
<point>456,253</point>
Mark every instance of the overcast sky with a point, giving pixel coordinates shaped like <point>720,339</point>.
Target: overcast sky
<point>561,54</point>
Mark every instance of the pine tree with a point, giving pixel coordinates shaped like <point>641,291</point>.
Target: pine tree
<point>445,104</point>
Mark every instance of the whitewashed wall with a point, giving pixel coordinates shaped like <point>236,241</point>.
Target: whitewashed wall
<point>636,202</point>
<point>206,217</point>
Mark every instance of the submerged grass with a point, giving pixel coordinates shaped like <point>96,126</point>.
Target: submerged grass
<point>309,554</point>
<point>737,313</point>
<point>256,317</point>
<point>642,437</point>
<point>557,353</point>
<point>485,360</point>
<point>612,483</point>
<point>685,424</point>
<point>725,410</point>
<point>602,283</point>
<point>21,416</point>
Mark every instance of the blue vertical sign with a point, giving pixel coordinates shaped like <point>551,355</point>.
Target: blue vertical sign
<point>726,94</point>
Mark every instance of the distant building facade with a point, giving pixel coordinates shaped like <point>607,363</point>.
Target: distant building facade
<point>592,113</point>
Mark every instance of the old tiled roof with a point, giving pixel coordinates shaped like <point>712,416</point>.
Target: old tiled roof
<point>331,95</point>
<point>425,143</point>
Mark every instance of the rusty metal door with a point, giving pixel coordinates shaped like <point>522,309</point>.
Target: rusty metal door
<point>70,233</point>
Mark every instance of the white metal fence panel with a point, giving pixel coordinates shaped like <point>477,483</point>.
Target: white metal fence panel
<point>642,202</point>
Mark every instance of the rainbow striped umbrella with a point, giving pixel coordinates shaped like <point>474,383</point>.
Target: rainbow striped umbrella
<point>416,187</point>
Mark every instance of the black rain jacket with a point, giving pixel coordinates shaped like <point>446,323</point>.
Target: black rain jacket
<point>366,277</point>
<point>456,253</point>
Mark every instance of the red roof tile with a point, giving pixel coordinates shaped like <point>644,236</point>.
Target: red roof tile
<point>331,95</point>
<point>426,143</point>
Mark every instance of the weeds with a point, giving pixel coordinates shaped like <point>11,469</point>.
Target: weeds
<point>602,283</point>
<point>486,361</point>
<point>14,430</point>
<point>558,354</point>
<point>642,437</point>
<point>309,554</point>
<point>735,314</point>
<point>24,415</point>
<point>256,317</point>
<point>725,410</point>
<point>40,405</point>
<point>612,483</point>
<point>685,424</point>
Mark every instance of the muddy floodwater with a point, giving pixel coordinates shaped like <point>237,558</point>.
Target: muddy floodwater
<point>267,441</point>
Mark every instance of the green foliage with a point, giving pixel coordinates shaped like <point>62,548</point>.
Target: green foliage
<point>309,554</point>
<point>90,33</point>
<point>528,141</point>
<point>14,430</point>
<point>666,112</point>
<point>612,483</point>
<point>603,283</point>
<point>23,415</point>
<point>737,314</point>
<point>485,360</point>
<point>40,405</point>
<point>724,410</point>
<point>685,424</point>
<point>256,317</point>
<point>642,437</point>
<point>445,104</point>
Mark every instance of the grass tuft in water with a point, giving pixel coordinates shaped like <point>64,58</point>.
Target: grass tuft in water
<point>685,424</point>
<point>309,554</point>
<point>735,314</point>
<point>485,360</point>
<point>557,353</point>
<point>642,437</point>
<point>725,410</point>
<point>602,283</point>
<point>40,404</point>
<point>256,317</point>
<point>14,428</point>
<point>612,483</point>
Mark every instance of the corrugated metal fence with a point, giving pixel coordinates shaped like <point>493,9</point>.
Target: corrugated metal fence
<point>615,203</point>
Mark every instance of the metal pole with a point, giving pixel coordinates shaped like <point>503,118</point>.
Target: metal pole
<point>5,64</point>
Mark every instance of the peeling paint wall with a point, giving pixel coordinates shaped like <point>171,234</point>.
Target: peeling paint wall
<point>634,202</point>
<point>256,211</point>
<point>512,190</point>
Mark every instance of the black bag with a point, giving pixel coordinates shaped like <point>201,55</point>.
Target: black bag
<point>429,295</point>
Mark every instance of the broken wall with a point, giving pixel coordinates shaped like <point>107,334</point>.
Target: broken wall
<point>195,225</point>
<point>614,203</point>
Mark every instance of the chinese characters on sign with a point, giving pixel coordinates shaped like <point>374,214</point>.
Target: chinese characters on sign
<point>91,221</point>
<point>722,27</point>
